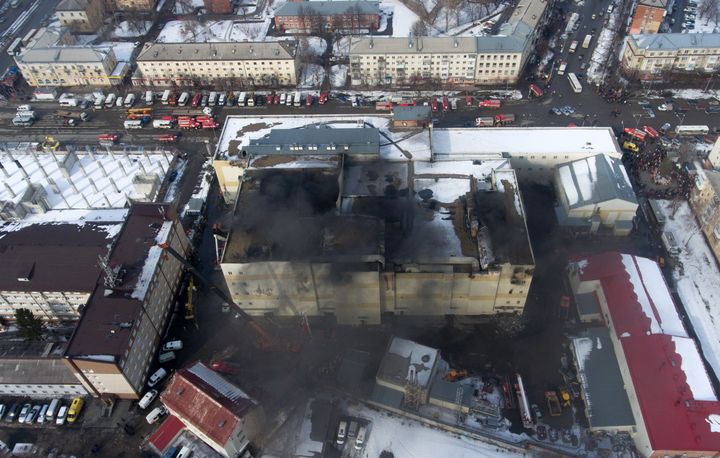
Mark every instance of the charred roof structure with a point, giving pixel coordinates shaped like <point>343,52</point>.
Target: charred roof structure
<point>310,238</point>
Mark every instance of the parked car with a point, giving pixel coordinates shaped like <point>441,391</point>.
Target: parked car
<point>156,377</point>
<point>41,418</point>
<point>146,400</point>
<point>172,345</point>
<point>156,414</point>
<point>22,416</point>
<point>62,414</point>
<point>12,412</point>
<point>33,414</point>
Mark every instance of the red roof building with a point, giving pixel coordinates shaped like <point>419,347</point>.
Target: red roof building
<point>212,408</point>
<point>161,439</point>
<point>675,407</point>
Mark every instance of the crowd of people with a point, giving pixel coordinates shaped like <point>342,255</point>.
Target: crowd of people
<point>656,178</point>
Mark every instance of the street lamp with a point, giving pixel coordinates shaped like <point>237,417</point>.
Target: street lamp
<point>637,117</point>
<point>681,118</point>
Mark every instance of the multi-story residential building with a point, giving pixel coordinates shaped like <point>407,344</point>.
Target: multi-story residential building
<point>53,64</point>
<point>651,56</point>
<point>705,203</point>
<point>321,16</point>
<point>81,15</point>
<point>50,270</point>
<point>112,348</point>
<point>450,60</point>
<point>212,408</point>
<point>648,16</point>
<point>218,6</point>
<point>258,64</point>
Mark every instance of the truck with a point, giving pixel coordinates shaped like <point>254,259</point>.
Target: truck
<point>504,119</point>
<point>23,121</point>
<point>297,100</point>
<point>434,104</point>
<point>553,403</point>
<point>561,68</point>
<point>445,104</point>
<point>586,41</point>
<point>536,91</point>
<point>487,103</point>
<point>187,122</point>
<point>163,124</point>
<point>241,99</point>
<point>67,100</point>
<point>165,97</point>
<point>386,106</point>
<point>635,133</point>
<point>323,98</point>
<point>72,117</point>
<point>129,100</point>
<point>133,124</point>
<point>485,121</point>
<point>573,46</point>
<point>168,138</point>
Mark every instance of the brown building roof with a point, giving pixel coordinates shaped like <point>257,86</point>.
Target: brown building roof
<point>203,399</point>
<point>52,257</point>
<point>105,326</point>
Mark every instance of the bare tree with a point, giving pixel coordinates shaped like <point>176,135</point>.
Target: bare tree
<point>190,27</point>
<point>419,29</point>
<point>708,9</point>
<point>184,6</point>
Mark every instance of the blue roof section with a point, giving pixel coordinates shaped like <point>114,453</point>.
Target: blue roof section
<point>418,113</point>
<point>387,396</point>
<point>328,8</point>
<point>318,140</point>
<point>674,41</point>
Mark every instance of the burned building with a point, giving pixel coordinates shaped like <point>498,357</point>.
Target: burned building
<point>319,232</point>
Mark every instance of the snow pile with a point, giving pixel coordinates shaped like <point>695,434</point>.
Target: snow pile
<point>508,176</point>
<point>597,67</point>
<point>696,279</point>
<point>127,29</point>
<point>421,358</point>
<point>568,185</point>
<point>311,76</point>
<point>338,75</point>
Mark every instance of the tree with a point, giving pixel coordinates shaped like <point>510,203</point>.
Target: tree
<point>419,29</point>
<point>709,10</point>
<point>30,326</point>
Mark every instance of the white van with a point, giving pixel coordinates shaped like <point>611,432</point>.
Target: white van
<point>222,99</point>
<point>147,399</point>
<point>133,124</point>
<point>62,413</point>
<point>99,101</point>
<point>119,102</point>
<point>172,345</point>
<point>283,98</point>
<point>68,102</point>
<point>110,101</point>
<point>155,414</point>
<point>165,357</point>
<point>185,452</point>
<point>156,377</point>
<point>342,432</point>
<point>149,97</point>
<point>50,414</point>
<point>43,412</point>
<point>360,439</point>
<point>165,97</point>
<point>241,99</point>
<point>212,100</point>
<point>184,99</point>
<point>129,100</point>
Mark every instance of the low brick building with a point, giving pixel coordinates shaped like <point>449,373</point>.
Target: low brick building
<point>328,16</point>
<point>648,16</point>
<point>218,6</point>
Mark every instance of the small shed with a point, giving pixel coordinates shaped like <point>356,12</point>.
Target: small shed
<point>411,116</point>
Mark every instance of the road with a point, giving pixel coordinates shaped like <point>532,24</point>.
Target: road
<point>40,12</point>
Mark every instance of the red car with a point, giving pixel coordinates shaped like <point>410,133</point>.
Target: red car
<point>168,138</point>
<point>651,132</point>
<point>309,100</point>
<point>223,367</point>
<point>196,100</point>
<point>434,104</point>
<point>469,100</point>
<point>276,100</point>
<point>323,98</point>
<point>269,99</point>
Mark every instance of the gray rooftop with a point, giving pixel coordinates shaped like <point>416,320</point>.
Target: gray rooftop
<point>69,54</point>
<point>271,50</point>
<point>675,41</point>
<point>599,375</point>
<point>72,5</point>
<point>417,113</point>
<point>417,45</point>
<point>447,391</point>
<point>602,175</point>
<point>327,8</point>
<point>317,140</point>
<point>36,372</point>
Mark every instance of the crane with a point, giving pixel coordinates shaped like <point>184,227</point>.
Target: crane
<point>189,307</point>
<point>264,340</point>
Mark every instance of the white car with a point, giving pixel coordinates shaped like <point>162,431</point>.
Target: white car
<point>172,345</point>
<point>155,414</point>
<point>156,377</point>
<point>62,413</point>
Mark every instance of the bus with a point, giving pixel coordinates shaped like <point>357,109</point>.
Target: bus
<point>14,47</point>
<point>573,46</point>
<point>692,130</point>
<point>574,83</point>
<point>586,41</point>
<point>26,39</point>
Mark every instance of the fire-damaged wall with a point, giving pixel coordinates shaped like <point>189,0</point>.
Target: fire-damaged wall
<point>361,297</point>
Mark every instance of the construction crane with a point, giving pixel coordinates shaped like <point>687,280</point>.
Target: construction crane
<point>264,340</point>
<point>189,308</point>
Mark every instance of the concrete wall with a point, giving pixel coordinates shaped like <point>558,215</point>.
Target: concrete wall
<point>705,205</point>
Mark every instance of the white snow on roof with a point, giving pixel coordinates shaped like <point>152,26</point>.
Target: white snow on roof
<point>568,185</point>
<point>422,358</point>
<point>76,217</point>
<point>216,381</point>
<point>445,190</point>
<point>509,176</point>
<point>583,347</point>
<point>697,281</point>
<point>97,181</point>
<point>477,169</point>
<point>146,275</point>
<point>622,169</point>
<point>653,296</point>
<point>475,143</point>
<point>585,174</point>
<point>164,232</point>
<point>694,369</point>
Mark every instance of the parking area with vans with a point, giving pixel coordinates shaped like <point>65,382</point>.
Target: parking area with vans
<point>47,412</point>
<point>352,433</point>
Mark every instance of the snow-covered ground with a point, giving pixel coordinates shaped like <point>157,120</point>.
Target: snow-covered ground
<point>407,438</point>
<point>191,31</point>
<point>128,29</point>
<point>311,76</point>
<point>403,17</point>
<point>338,75</point>
<point>705,24</point>
<point>188,6</point>
<point>102,181</point>
<point>603,47</point>
<point>697,280</point>
<point>123,50</point>
<point>341,47</point>
<point>315,46</point>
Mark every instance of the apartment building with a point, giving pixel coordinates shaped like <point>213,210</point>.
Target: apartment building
<point>450,60</point>
<point>81,15</point>
<point>112,348</point>
<point>50,270</point>
<point>248,63</point>
<point>649,56</point>
<point>705,203</point>
<point>214,409</point>
<point>648,16</point>
<point>55,66</point>
<point>321,16</point>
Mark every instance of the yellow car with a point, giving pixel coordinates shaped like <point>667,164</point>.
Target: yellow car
<point>75,409</point>
<point>630,146</point>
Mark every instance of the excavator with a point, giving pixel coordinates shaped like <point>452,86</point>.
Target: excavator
<point>264,341</point>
